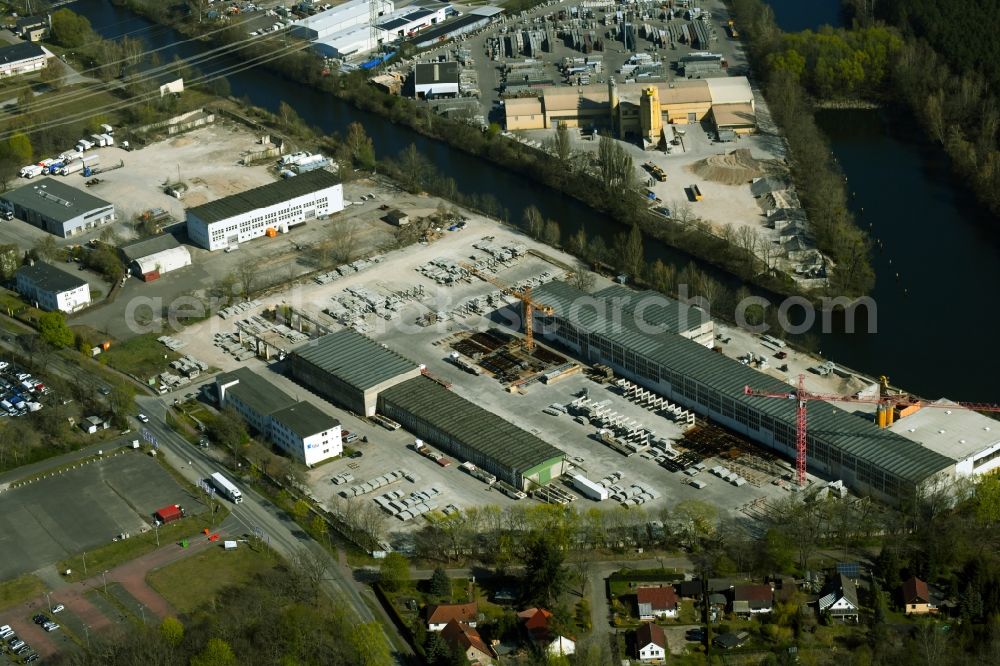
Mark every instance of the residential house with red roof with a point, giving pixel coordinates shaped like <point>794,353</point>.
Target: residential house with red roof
<point>650,644</point>
<point>750,600</point>
<point>656,602</point>
<point>440,615</point>
<point>917,598</point>
<point>476,650</point>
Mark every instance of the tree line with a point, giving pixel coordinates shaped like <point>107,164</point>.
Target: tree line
<point>941,64</point>
<point>280,617</point>
<point>608,185</point>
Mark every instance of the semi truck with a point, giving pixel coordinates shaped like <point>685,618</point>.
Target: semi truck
<point>226,488</point>
<point>82,164</point>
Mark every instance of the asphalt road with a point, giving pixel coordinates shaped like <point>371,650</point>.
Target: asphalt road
<point>282,533</point>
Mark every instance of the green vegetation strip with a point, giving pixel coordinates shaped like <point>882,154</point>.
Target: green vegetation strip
<point>142,356</point>
<point>20,589</point>
<point>119,552</point>
<point>194,581</point>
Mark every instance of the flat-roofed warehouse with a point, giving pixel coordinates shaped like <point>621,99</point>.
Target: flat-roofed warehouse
<point>349,369</point>
<point>57,208</point>
<point>265,210</point>
<point>841,445</point>
<point>469,432</point>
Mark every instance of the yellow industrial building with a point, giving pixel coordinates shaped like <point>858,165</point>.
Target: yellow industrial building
<point>638,109</point>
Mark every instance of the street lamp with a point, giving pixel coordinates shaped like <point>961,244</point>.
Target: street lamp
<point>143,611</point>
<point>48,601</point>
<point>104,575</point>
<point>156,528</point>
<point>85,563</point>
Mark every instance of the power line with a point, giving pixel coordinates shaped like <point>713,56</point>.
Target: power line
<point>75,96</point>
<point>146,53</point>
<point>234,69</point>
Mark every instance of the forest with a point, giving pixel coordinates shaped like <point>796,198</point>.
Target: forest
<point>966,38</point>
<point>930,61</point>
<point>280,618</point>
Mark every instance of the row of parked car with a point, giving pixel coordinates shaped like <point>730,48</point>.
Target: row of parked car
<point>20,393</point>
<point>17,646</point>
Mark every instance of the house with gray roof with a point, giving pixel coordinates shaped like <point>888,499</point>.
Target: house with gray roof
<point>299,428</point>
<point>841,600</point>
<point>48,287</point>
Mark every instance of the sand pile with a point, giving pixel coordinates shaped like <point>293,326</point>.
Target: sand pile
<point>734,168</point>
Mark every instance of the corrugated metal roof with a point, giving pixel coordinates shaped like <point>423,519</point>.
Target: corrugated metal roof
<point>147,246</point>
<point>355,359</point>
<point>265,195</point>
<point>841,430</point>
<point>470,424</point>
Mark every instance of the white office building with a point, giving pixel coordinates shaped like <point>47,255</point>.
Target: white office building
<point>342,17</point>
<point>300,429</point>
<point>50,288</point>
<point>266,210</point>
<point>22,58</point>
<point>410,20</point>
<point>436,79</point>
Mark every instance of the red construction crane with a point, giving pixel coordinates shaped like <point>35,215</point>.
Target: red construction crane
<point>887,403</point>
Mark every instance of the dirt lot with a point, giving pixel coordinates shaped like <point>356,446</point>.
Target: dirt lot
<point>207,159</point>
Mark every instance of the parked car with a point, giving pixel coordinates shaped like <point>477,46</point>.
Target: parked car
<point>142,418</point>
<point>41,618</point>
<point>58,608</point>
<point>50,626</point>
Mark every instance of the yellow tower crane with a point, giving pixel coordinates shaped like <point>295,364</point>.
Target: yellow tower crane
<point>528,304</point>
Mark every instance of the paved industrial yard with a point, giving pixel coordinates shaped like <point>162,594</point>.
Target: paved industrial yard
<point>387,451</point>
<point>82,508</point>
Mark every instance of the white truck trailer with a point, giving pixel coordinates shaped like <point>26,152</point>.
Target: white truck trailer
<point>226,488</point>
<point>589,489</point>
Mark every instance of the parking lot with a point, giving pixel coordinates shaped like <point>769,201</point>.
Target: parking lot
<point>82,508</point>
<point>20,393</point>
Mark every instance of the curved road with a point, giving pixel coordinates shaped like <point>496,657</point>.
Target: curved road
<point>282,533</point>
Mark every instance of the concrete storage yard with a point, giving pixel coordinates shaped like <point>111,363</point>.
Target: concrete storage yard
<point>80,509</point>
<point>727,201</point>
<point>419,265</point>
